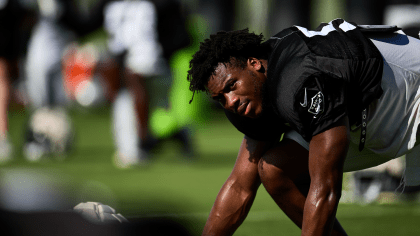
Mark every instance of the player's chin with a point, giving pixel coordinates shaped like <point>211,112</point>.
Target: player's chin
<point>254,114</point>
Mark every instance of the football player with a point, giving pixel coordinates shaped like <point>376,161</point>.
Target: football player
<point>16,19</point>
<point>344,97</point>
<point>142,36</point>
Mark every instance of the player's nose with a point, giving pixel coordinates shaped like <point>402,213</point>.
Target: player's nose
<point>231,102</point>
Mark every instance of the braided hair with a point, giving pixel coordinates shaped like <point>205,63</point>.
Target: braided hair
<point>233,47</point>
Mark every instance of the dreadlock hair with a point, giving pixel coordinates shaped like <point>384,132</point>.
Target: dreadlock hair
<point>233,47</point>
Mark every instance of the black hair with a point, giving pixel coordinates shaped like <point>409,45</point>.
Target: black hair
<point>223,47</point>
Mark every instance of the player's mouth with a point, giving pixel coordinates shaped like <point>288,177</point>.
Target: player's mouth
<point>243,109</point>
<point>248,109</point>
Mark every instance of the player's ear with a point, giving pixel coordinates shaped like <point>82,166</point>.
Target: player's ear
<point>254,63</point>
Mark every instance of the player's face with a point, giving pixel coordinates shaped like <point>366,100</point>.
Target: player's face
<point>239,90</point>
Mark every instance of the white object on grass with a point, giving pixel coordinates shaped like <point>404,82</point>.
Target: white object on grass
<point>99,213</point>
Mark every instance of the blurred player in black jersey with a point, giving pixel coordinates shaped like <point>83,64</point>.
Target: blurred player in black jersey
<point>344,97</point>
<point>16,20</point>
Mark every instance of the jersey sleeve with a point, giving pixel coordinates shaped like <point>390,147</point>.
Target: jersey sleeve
<point>265,128</point>
<point>319,104</point>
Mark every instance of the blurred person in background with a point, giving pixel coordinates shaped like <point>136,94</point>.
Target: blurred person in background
<point>16,20</point>
<point>59,24</point>
<point>183,114</point>
<point>142,36</point>
<point>169,120</point>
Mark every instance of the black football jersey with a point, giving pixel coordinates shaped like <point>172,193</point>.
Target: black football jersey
<point>317,77</point>
<point>264,128</point>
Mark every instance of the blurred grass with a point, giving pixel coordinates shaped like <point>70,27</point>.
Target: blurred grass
<point>173,184</point>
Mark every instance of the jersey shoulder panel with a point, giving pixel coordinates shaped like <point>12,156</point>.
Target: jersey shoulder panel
<point>317,77</point>
<point>338,39</point>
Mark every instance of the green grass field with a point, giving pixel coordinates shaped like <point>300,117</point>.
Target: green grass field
<point>174,186</point>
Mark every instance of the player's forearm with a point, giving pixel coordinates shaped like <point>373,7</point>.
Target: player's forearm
<point>327,153</point>
<point>319,212</point>
<point>291,200</point>
<point>229,211</point>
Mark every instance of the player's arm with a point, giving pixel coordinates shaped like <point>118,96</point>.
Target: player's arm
<point>327,152</point>
<point>238,192</point>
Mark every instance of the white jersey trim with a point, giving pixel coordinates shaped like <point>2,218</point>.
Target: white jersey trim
<point>345,26</point>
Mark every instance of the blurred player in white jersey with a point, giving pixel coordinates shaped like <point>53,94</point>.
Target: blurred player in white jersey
<point>59,24</point>
<point>139,48</point>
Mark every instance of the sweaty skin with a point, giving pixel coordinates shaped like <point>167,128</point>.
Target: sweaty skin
<point>327,152</point>
<point>239,90</point>
<point>311,207</point>
<point>281,167</point>
<point>238,193</point>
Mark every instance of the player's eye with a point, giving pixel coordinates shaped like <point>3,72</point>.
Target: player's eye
<point>232,85</point>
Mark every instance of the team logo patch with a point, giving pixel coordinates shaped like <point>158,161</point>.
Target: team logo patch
<point>317,104</point>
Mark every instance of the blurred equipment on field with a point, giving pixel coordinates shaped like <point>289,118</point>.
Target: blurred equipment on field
<point>99,213</point>
<point>49,132</point>
<point>370,183</point>
<point>383,183</point>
